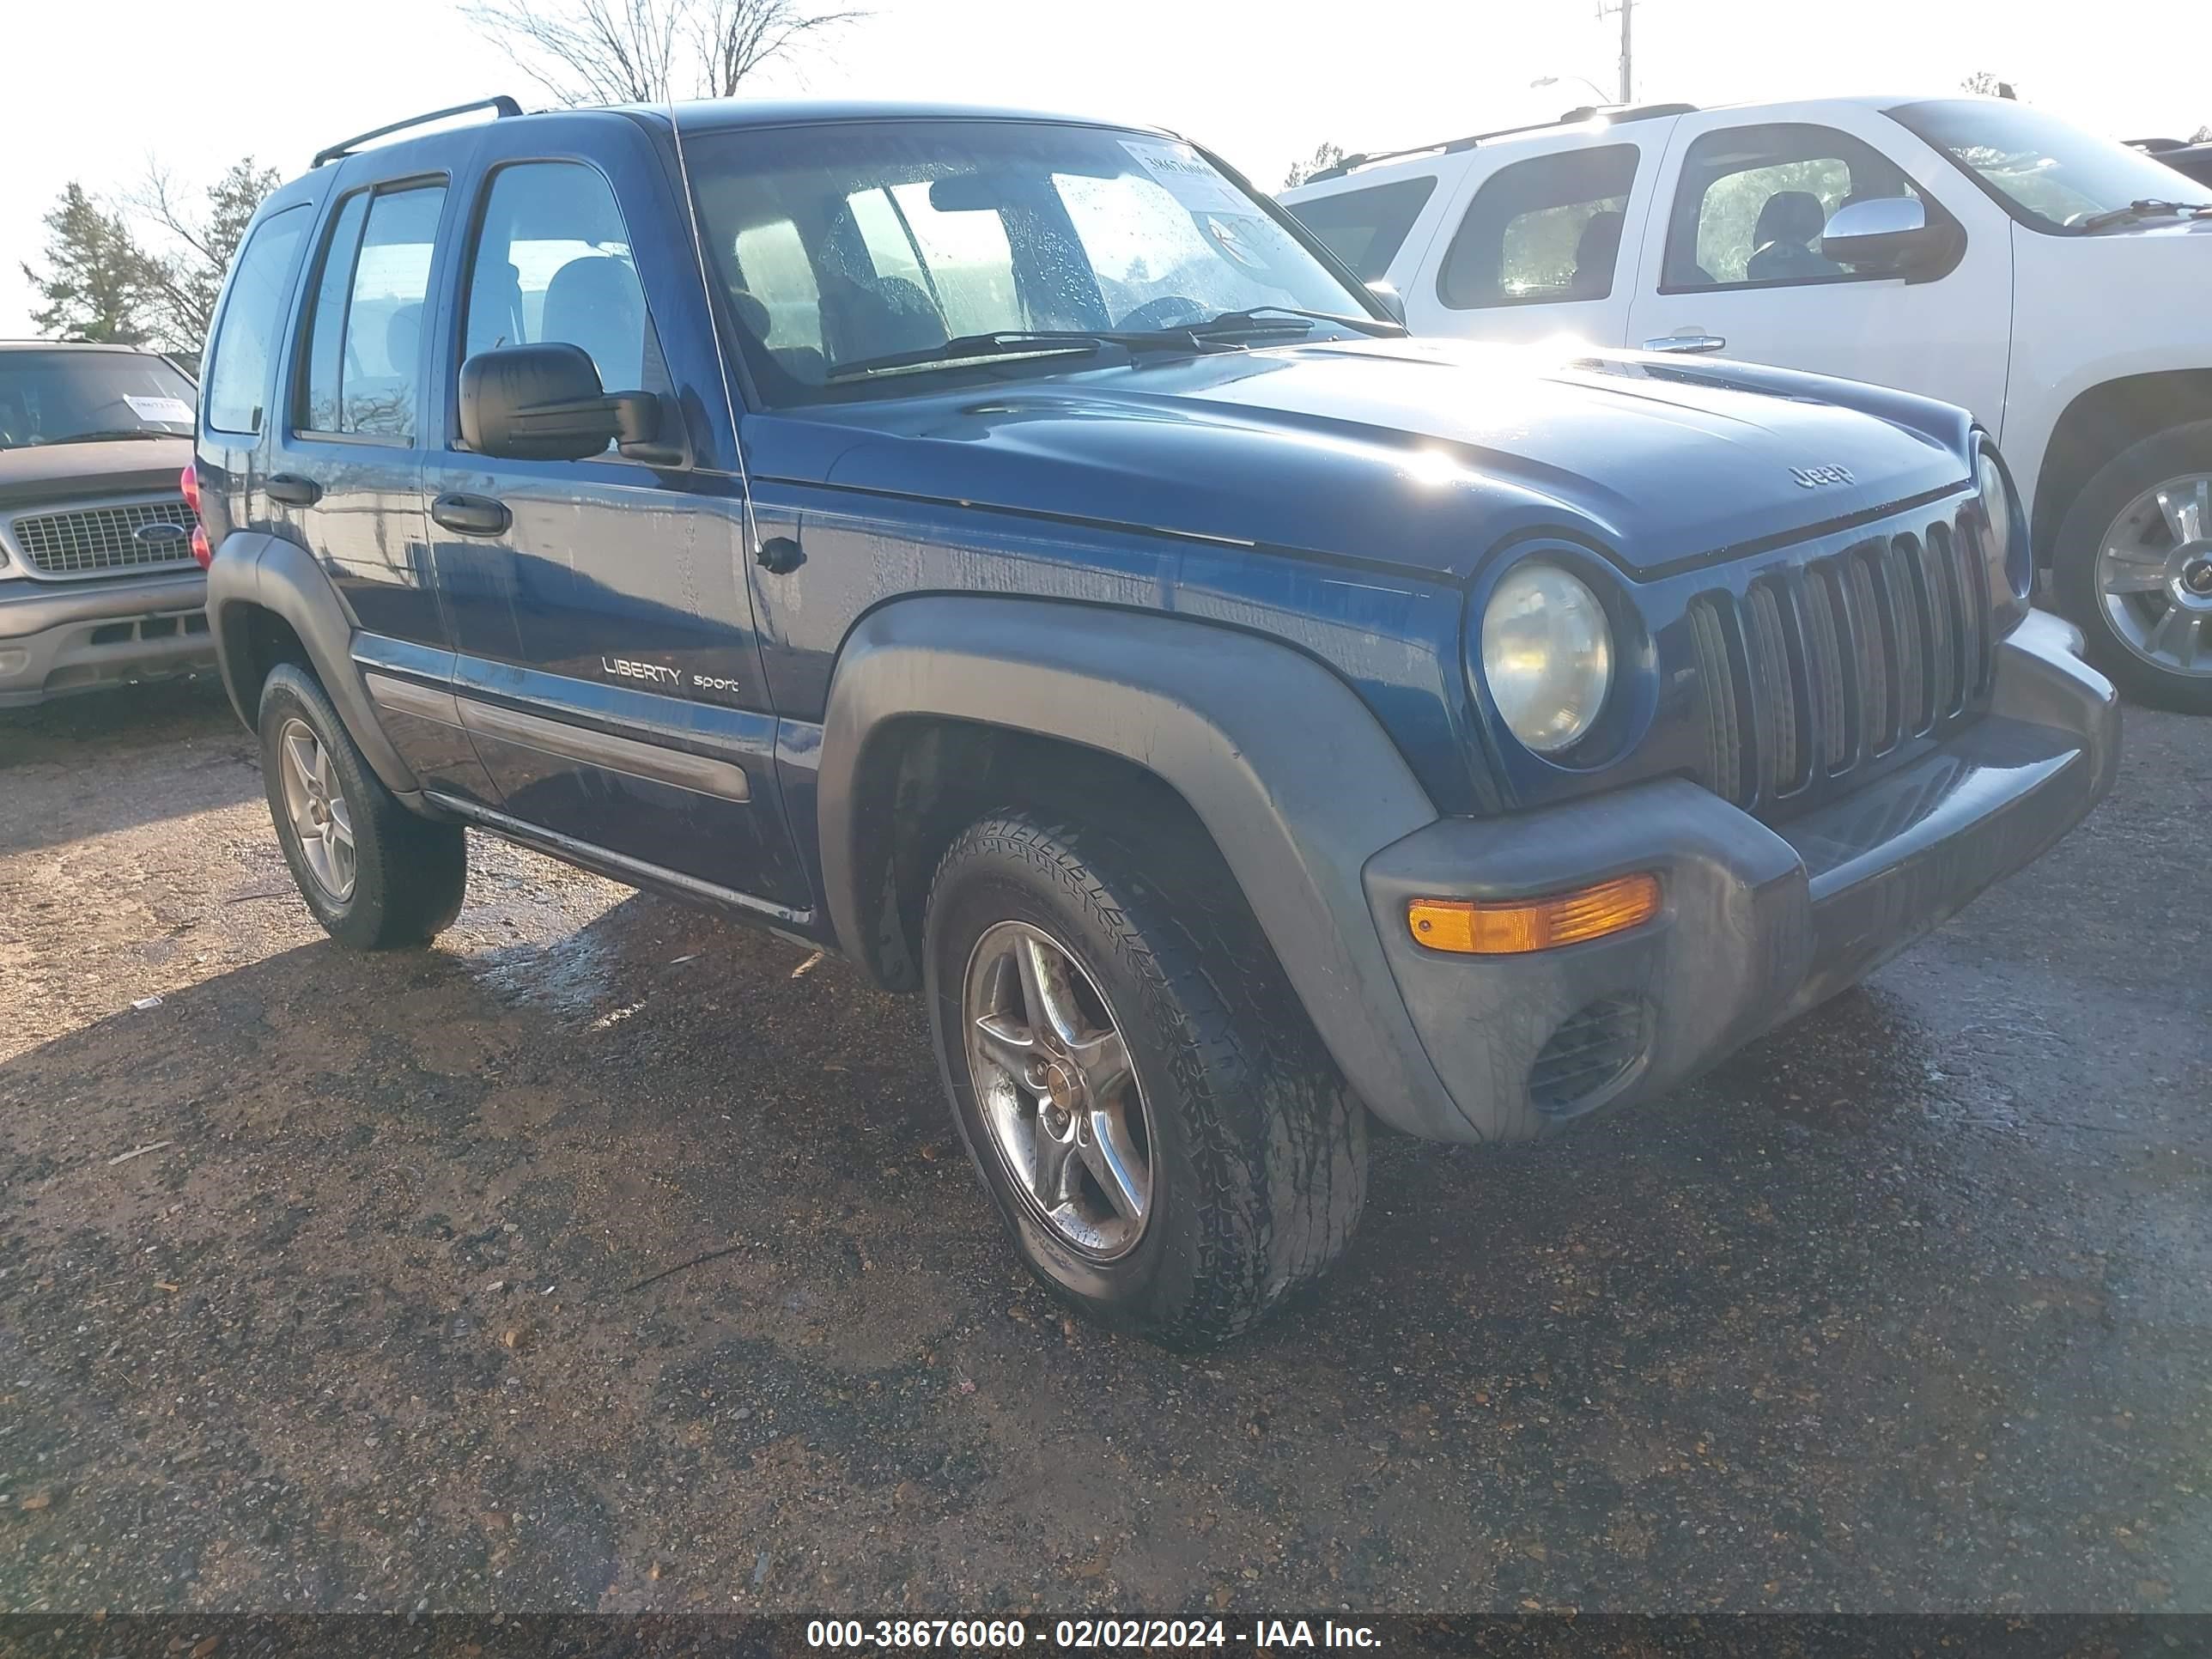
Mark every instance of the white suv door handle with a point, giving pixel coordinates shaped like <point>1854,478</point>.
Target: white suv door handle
<point>1686,342</point>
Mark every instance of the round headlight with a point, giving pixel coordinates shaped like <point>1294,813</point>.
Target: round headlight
<point>1547,655</point>
<point>2008,549</point>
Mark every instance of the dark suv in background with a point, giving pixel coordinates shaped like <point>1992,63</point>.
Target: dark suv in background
<point>97,581</point>
<point>1010,551</point>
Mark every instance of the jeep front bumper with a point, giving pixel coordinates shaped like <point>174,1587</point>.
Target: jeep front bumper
<point>57,637</point>
<point>1757,924</point>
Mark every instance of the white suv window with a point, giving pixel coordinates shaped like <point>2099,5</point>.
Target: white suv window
<point>1752,203</point>
<point>1366,228</point>
<point>1541,231</point>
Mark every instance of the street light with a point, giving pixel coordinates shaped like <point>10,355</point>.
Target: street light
<point>1543,81</point>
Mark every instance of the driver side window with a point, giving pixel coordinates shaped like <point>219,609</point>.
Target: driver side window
<point>551,264</point>
<point>1753,201</point>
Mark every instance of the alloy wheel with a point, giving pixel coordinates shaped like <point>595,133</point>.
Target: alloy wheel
<point>1058,1093</point>
<point>2154,575</point>
<point>317,806</point>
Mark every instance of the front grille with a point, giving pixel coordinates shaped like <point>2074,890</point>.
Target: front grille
<point>92,540</point>
<point>1593,1049</point>
<point>1816,669</point>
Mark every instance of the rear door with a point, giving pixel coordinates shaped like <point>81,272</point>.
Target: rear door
<point>606,663</point>
<point>1732,265</point>
<point>345,469</point>
<point>1540,243</point>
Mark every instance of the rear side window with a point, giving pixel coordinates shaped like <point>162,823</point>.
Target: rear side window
<point>1542,230</point>
<point>1366,228</point>
<point>552,263</point>
<point>237,357</point>
<point>365,347</point>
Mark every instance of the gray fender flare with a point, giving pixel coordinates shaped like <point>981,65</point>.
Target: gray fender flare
<point>252,568</point>
<point>1283,763</point>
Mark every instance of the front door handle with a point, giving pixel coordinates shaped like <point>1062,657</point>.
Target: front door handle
<point>294,490</point>
<point>471,515</point>
<point>1686,341</point>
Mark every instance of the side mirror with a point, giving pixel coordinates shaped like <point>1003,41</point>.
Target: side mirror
<point>544,403</point>
<point>1890,233</point>
<point>1390,299</point>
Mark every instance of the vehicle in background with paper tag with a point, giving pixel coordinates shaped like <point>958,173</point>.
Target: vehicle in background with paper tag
<point>99,581</point>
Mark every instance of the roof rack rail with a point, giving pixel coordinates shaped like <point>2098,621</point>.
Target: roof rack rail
<point>503,104</point>
<point>1612,113</point>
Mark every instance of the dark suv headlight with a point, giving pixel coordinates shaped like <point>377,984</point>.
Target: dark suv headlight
<point>2005,548</point>
<point>1546,654</point>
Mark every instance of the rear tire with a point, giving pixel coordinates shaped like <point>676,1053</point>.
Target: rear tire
<point>377,877</point>
<point>2137,586</point>
<point>1253,1152</point>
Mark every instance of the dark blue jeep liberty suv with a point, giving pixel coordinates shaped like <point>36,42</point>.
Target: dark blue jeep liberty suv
<point>1009,550</point>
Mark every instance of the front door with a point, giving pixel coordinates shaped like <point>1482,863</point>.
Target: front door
<point>1737,259</point>
<point>606,664</point>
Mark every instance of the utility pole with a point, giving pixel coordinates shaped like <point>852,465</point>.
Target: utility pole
<point>1627,10</point>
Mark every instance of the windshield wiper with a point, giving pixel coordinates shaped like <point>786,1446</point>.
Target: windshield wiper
<point>112,435</point>
<point>1286,318</point>
<point>2148,208</point>
<point>1018,342</point>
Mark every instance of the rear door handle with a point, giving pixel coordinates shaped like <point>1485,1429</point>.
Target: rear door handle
<point>471,515</point>
<point>1686,342</point>
<point>294,490</point>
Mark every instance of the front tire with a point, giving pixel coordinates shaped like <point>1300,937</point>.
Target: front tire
<point>1165,1137</point>
<point>2134,569</point>
<point>375,875</point>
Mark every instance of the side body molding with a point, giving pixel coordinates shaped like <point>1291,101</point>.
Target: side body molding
<point>252,568</point>
<point>1282,763</point>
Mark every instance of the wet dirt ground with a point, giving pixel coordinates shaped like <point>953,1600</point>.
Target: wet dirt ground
<point>1908,1307</point>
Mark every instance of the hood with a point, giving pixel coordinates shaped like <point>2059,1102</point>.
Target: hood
<point>1427,454</point>
<point>60,473</point>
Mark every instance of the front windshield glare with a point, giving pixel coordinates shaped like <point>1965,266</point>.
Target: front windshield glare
<point>63,396</point>
<point>2049,172</point>
<point>845,245</point>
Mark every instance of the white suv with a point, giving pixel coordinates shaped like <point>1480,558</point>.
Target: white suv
<point>1975,249</point>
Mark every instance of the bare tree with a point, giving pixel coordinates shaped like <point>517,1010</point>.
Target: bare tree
<point>185,278</point>
<point>737,37</point>
<point>1325,156</point>
<point>650,52</point>
<point>1986,85</point>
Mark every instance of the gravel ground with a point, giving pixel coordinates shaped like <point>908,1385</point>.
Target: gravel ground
<point>610,1257</point>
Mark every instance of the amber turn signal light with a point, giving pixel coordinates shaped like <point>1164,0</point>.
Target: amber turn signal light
<point>1472,928</point>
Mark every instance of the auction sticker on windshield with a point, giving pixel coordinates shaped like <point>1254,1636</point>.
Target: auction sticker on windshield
<point>1183,173</point>
<point>174,410</point>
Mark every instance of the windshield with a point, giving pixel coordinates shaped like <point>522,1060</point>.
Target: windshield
<point>60,396</point>
<point>843,245</point>
<point>2048,172</point>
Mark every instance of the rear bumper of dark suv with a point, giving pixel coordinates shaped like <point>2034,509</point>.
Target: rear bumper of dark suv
<point>1757,923</point>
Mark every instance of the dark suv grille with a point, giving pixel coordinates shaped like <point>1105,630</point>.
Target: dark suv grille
<point>88,541</point>
<point>1821,667</point>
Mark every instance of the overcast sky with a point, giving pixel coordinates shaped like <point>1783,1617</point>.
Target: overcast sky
<point>98,88</point>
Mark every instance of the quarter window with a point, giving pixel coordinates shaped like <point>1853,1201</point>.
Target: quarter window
<point>1545,229</point>
<point>552,263</point>
<point>365,346</point>
<point>1366,228</point>
<point>1752,203</point>
<point>237,357</point>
